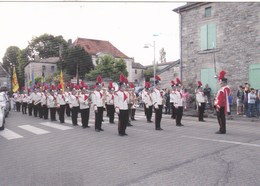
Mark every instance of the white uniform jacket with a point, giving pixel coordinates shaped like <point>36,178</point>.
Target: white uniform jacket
<point>147,99</point>
<point>200,97</point>
<point>157,98</point>
<point>179,99</point>
<point>50,101</point>
<point>61,100</point>
<point>121,100</point>
<point>97,99</point>
<point>83,101</point>
<point>73,101</point>
<point>110,98</point>
<point>172,96</point>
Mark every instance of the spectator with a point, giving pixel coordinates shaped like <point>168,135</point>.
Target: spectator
<point>245,100</point>
<point>168,105</point>
<point>207,92</point>
<point>240,97</point>
<point>186,98</point>
<point>230,102</point>
<point>258,103</point>
<point>251,102</point>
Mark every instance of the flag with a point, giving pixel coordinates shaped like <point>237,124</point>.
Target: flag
<point>15,84</point>
<point>61,81</point>
<point>33,81</point>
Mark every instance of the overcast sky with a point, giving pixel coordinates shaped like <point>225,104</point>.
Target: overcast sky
<point>128,26</point>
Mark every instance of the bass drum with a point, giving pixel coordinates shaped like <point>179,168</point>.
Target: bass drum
<point>115,85</point>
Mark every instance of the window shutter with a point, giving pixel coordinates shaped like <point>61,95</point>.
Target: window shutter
<point>203,37</point>
<point>211,36</point>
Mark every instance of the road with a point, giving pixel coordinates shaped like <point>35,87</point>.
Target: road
<point>36,152</point>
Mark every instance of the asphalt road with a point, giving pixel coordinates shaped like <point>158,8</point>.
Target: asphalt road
<point>36,152</point>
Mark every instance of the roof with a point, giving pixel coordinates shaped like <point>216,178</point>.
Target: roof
<point>94,47</point>
<point>162,64</point>
<point>53,60</point>
<point>189,6</point>
<point>3,72</point>
<point>138,65</point>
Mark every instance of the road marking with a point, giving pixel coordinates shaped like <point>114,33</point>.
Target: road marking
<point>223,141</point>
<point>8,134</point>
<point>33,129</point>
<point>56,126</point>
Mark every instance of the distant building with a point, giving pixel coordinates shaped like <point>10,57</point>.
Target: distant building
<point>220,36</point>
<point>40,68</point>
<point>98,48</point>
<point>138,73</point>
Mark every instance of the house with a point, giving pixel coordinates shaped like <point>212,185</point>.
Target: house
<point>167,72</point>
<point>5,78</point>
<point>138,73</point>
<point>220,36</point>
<point>99,48</point>
<point>40,68</point>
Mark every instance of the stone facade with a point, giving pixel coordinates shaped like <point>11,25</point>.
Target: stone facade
<point>48,66</point>
<point>138,74</point>
<point>237,40</point>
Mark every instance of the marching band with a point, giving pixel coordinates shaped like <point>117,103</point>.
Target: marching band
<point>119,99</point>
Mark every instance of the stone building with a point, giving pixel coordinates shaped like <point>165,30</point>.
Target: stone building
<point>138,73</point>
<point>98,48</point>
<point>5,78</point>
<point>39,68</point>
<point>167,72</point>
<point>220,36</point>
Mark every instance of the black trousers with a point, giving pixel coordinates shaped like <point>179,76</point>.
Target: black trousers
<point>75,111</point>
<point>53,114</point>
<point>201,111</point>
<point>84,117</point>
<point>40,110</point>
<point>149,113</point>
<point>61,113</point>
<point>24,108</point>
<point>30,108</point>
<point>173,111</point>
<point>111,113</point>
<point>35,110</point>
<point>18,106</point>
<point>179,113</point>
<point>133,113</point>
<point>45,111</point>
<point>98,117</point>
<point>123,121</point>
<point>68,110</point>
<point>158,117</point>
<point>129,113</point>
<point>221,119</point>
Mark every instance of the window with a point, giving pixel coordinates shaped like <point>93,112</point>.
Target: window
<point>208,36</point>
<point>52,69</point>
<point>207,12</point>
<point>135,71</point>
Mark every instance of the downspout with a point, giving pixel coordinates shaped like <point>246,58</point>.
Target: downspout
<point>180,26</point>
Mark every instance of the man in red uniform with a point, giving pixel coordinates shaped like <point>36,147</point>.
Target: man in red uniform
<point>221,102</point>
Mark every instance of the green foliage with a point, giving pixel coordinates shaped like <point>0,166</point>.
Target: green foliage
<point>10,57</point>
<point>46,46</point>
<point>108,67</point>
<point>22,61</point>
<point>73,57</point>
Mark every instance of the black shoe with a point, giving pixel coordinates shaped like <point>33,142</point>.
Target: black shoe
<point>180,125</point>
<point>219,132</point>
<point>62,122</point>
<point>158,129</point>
<point>101,129</point>
<point>125,134</point>
<point>133,119</point>
<point>121,134</point>
<point>97,130</point>
<point>149,121</point>
<point>75,125</point>
<point>129,125</point>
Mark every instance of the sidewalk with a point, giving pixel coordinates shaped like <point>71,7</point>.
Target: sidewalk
<point>208,114</point>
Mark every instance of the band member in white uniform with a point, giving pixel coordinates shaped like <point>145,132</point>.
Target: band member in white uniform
<point>84,105</point>
<point>200,101</point>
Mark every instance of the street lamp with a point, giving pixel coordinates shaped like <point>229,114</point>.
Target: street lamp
<point>154,69</point>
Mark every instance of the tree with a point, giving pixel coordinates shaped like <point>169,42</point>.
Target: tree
<point>22,61</point>
<point>10,58</point>
<point>108,67</point>
<point>162,56</point>
<point>149,73</point>
<point>73,58</point>
<point>46,46</point>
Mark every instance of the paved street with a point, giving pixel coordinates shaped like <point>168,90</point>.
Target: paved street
<point>36,152</point>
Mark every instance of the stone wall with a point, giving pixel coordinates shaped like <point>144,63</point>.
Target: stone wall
<point>237,42</point>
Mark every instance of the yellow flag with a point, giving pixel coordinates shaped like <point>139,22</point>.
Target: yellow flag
<point>61,81</point>
<point>15,84</point>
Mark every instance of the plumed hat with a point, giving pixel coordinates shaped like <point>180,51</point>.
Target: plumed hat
<point>28,90</point>
<point>178,82</point>
<point>199,84</point>
<point>59,87</point>
<point>53,87</point>
<point>99,80</point>
<point>221,77</point>
<point>77,87</point>
<point>173,83</point>
<point>110,85</point>
<point>122,79</point>
<point>147,85</point>
<point>157,79</point>
<point>82,84</point>
<point>132,85</point>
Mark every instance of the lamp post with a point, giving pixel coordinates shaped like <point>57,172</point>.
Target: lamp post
<point>154,64</point>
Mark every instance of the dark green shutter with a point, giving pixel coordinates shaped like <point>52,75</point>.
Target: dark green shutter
<point>207,76</point>
<point>211,36</point>
<point>254,76</point>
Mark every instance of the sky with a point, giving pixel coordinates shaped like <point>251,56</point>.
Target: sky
<point>129,26</point>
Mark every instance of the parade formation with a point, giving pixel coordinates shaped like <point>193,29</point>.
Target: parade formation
<point>116,99</point>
